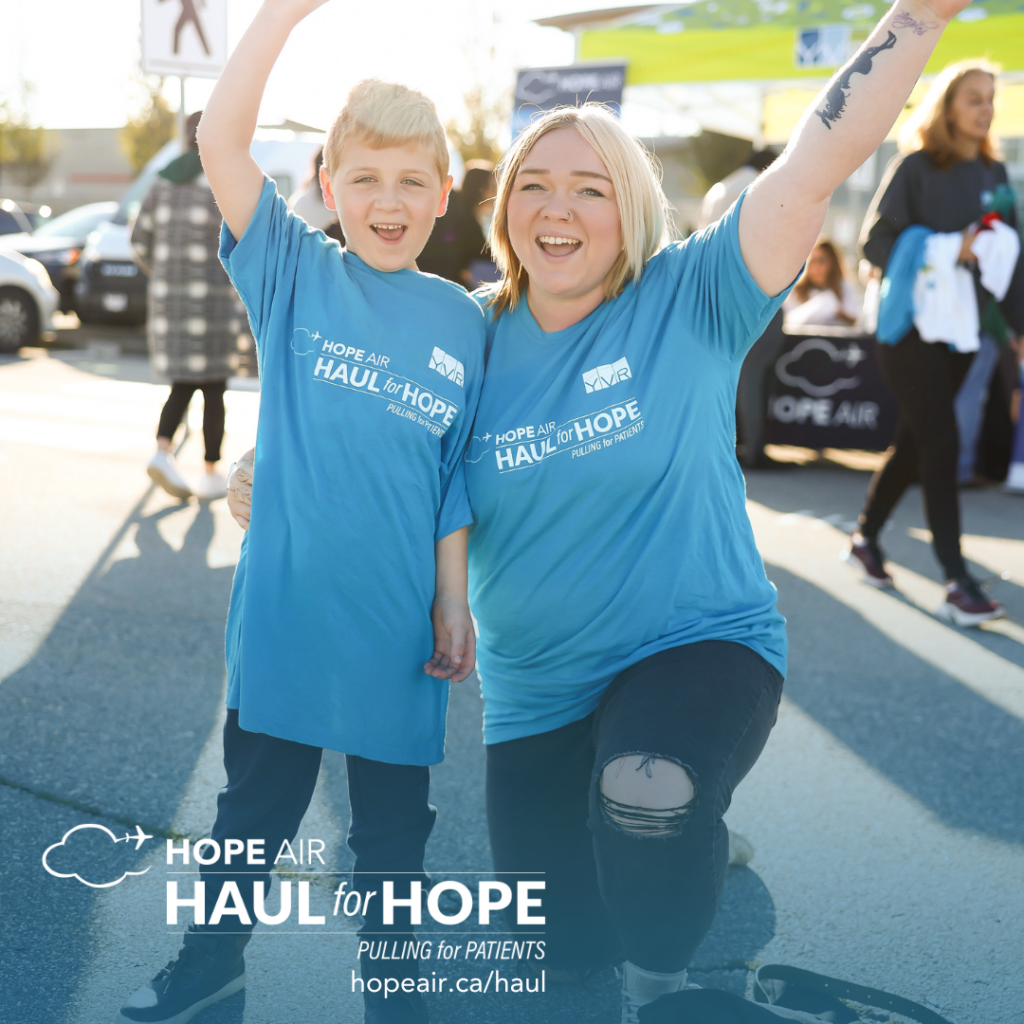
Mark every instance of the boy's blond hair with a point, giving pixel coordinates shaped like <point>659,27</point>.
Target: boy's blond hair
<point>385,114</point>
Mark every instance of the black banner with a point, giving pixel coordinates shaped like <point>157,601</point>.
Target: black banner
<point>826,391</point>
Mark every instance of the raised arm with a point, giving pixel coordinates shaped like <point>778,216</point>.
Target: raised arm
<point>785,209</point>
<point>229,120</point>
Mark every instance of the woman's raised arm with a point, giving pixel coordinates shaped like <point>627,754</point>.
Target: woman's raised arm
<point>785,209</point>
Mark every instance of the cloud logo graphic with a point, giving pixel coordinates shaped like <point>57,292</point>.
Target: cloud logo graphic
<point>139,839</point>
<point>303,343</point>
<point>827,383</point>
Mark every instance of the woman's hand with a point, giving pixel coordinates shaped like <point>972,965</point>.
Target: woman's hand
<point>454,640</point>
<point>240,488</point>
<point>966,255</point>
<point>298,9</point>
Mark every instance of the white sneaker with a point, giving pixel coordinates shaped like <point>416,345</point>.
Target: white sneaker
<point>211,486</point>
<point>640,987</point>
<point>163,470</point>
<point>741,849</point>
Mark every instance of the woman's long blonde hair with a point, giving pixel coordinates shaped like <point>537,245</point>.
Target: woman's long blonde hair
<point>928,127</point>
<point>644,212</point>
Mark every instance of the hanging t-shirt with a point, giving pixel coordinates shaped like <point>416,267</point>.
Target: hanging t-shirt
<point>369,382</point>
<point>609,505</point>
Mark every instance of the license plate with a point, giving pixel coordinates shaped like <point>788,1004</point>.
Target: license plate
<point>118,270</point>
<point>115,303</point>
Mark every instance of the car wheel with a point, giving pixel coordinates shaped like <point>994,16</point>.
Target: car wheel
<point>19,319</point>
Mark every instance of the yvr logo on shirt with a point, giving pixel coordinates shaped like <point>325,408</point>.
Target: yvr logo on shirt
<point>448,366</point>
<point>606,375</point>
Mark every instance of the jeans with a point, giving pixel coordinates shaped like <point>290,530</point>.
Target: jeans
<point>970,405</point>
<point>709,707</point>
<point>924,378</point>
<point>270,784</point>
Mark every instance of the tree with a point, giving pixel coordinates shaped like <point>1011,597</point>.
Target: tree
<point>150,129</point>
<point>477,132</point>
<point>25,157</point>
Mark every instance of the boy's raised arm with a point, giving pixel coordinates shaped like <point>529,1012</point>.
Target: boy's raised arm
<point>229,119</point>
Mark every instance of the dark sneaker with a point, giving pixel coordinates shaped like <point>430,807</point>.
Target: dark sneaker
<point>397,1008</point>
<point>208,968</point>
<point>867,555</point>
<point>966,605</point>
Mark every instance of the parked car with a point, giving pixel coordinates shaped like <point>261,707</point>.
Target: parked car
<point>58,243</point>
<point>12,218</point>
<point>27,300</point>
<point>111,287</point>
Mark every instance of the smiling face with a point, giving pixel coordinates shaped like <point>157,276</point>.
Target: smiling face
<point>387,200</point>
<point>971,111</point>
<point>563,221</point>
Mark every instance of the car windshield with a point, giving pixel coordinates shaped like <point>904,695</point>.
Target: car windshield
<point>77,223</point>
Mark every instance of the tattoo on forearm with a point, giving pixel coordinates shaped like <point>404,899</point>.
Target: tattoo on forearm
<point>835,98</point>
<point>904,20</point>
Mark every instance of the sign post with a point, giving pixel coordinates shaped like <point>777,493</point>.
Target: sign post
<point>187,38</point>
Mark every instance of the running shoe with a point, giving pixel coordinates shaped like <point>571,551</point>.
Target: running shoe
<point>868,556</point>
<point>210,487</point>
<point>966,605</point>
<point>208,968</point>
<point>640,987</point>
<point>163,470</point>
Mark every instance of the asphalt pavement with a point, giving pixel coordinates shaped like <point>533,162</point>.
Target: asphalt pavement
<point>887,812</point>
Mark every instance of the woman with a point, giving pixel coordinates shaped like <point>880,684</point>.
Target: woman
<point>824,295</point>
<point>945,179</point>
<point>196,322</point>
<point>630,652</point>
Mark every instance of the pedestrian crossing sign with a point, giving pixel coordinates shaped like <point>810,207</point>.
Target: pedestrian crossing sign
<point>188,38</point>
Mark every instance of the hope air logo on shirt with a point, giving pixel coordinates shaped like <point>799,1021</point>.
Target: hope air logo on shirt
<point>522,447</point>
<point>355,369</point>
<point>606,375</point>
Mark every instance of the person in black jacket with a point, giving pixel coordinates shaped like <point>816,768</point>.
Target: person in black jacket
<point>946,179</point>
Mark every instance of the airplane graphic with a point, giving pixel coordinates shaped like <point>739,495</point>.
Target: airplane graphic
<point>138,839</point>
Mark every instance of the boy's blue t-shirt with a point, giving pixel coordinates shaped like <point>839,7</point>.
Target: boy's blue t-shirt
<point>369,382</point>
<point>609,505</point>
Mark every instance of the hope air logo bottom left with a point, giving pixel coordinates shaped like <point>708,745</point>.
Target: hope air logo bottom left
<point>85,853</point>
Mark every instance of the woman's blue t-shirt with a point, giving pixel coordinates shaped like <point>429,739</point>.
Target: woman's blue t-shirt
<point>609,505</point>
<point>369,382</point>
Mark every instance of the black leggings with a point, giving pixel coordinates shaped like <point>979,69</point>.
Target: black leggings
<point>924,377</point>
<point>609,893</point>
<point>213,413</point>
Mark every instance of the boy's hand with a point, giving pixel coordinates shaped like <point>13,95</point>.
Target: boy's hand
<point>454,640</point>
<point>240,489</point>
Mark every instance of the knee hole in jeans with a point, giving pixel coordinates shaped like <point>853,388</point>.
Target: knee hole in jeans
<point>646,795</point>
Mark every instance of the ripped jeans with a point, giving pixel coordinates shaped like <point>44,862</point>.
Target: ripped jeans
<point>619,884</point>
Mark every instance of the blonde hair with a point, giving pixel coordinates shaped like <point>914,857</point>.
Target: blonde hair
<point>927,127</point>
<point>385,114</point>
<point>644,212</point>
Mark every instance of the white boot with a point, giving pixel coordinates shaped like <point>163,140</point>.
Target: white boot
<point>640,987</point>
<point>163,470</point>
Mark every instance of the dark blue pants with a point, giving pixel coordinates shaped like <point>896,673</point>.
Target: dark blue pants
<point>270,784</point>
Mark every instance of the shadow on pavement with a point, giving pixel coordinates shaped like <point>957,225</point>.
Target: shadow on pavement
<point>111,713</point>
<point>943,744</point>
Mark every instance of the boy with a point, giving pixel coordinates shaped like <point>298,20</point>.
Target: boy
<point>370,374</point>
